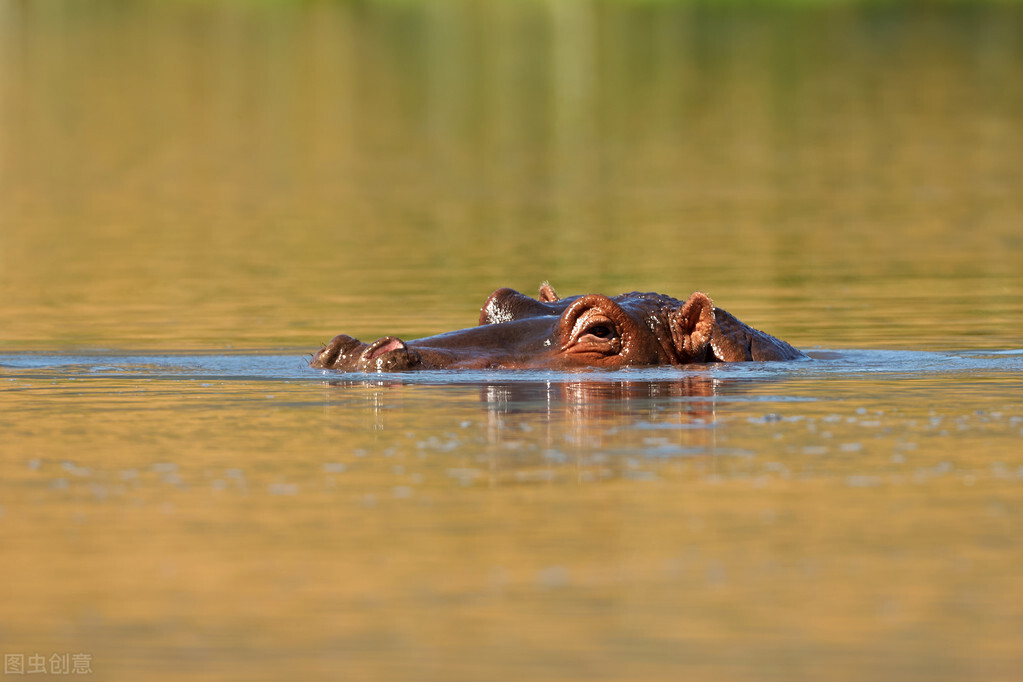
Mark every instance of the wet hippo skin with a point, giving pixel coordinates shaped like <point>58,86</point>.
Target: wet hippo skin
<point>519,332</point>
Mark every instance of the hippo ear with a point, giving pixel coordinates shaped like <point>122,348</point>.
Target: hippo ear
<point>547,294</point>
<point>691,327</point>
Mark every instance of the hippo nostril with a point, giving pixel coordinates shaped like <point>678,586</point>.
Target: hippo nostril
<point>389,354</point>
<point>336,353</point>
<point>381,346</point>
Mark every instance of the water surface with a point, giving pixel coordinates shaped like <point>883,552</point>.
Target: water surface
<point>245,516</point>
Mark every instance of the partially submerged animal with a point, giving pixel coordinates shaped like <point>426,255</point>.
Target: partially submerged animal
<point>519,332</point>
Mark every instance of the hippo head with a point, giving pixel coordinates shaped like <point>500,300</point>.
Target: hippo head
<point>519,332</point>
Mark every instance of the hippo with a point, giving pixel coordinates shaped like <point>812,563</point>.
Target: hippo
<point>550,332</point>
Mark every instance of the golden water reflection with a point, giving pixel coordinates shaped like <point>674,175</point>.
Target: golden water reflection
<point>713,524</point>
<point>205,175</point>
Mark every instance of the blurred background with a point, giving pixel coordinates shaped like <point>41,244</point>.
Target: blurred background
<point>263,175</point>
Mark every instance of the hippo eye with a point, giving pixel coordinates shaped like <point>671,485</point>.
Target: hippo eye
<point>595,327</point>
<point>601,331</point>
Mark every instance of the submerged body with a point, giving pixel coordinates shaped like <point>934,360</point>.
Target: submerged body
<point>519,332</point>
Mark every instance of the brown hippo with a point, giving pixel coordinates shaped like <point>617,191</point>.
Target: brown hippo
<point>519,332</point>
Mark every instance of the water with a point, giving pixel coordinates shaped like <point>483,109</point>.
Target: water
<point>244,516</point>
<point>195,196</point>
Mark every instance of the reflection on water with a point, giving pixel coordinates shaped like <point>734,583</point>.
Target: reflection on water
<point>243,516</point>
<point>204,175</point>
<point>531,424</point>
